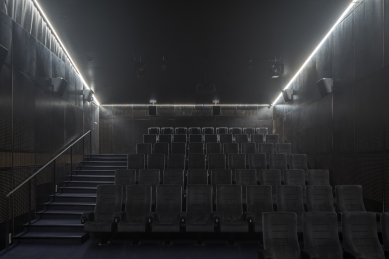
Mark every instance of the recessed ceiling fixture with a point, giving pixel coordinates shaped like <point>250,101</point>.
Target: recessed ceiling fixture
<point>250,66</point>
<point>163,66</point>
<point>317,48</point>
<point>63,46</point>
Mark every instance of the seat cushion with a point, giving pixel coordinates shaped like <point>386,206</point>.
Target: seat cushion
<point>200,227</point>
<point>91,226</point>
<point>239,226</point>
<point>166,227</point>
<point>131,227</point>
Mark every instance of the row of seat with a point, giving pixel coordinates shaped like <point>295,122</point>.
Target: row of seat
<point>207,130</point>
<point>208,138</point>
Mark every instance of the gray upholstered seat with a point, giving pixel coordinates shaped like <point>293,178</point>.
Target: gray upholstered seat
<point>249,131</point>
<point>318,177</point>
<point>262,130</point>
<point>138,206</point>
<point>283,148</point>
<point>257,162</point>
<point>385,231</point>
<point>197,176</point>
<point>165,138</point>
<point>167,217</point>
<point>161,148</point>
<point>150,177</point>
<point>125,177</point>
<point>220,176</point>
<point>195,138</point>
<point>156,161</point>
<point>210,138</point>
<point>280,236</point>
<point>259,199</point>
<point>248,148</point>
<point>349,198</point>
<point>196,161</point>
<point>230,148</point>
<point>213,148</point>
<point>271,138</point>
<point>208,130</point>
<point>178,148</point>
<point>319,198</point>
<point>225,138</point>
<point>173,177</point>
<point>216,161</point>
<point>266,148</point>
<point>150,138</point>
<point>278,161</point>
<point>196,148</point>
<point>235,130</point>
<point>221,130</point>
<point>299,161</point>
<point>236,161</point>
<point>321,238</point>
<point>270,177</point>
<point>257,138</point>
<point>167,130</point>
<point>108,205</point>
<point>230,208</point>
<point>136,161</point>
<point>176,161</point>
<point>245,177</point>
<point>181,130</point>
<point>154,130</point>
<point>241,138</point>
<point>194,130</point>
<point>360,238</point>
<point>179,138</point>
<point>290,199</point>
<point>144,148</point>
<point>294,177</point>
<point>199,208</point>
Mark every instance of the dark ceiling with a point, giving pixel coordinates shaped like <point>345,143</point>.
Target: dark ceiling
<point>104,36</point>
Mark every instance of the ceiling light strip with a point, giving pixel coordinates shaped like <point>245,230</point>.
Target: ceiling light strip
<point>63,46</point>
<point>345,13</point>
<point>185,105</point>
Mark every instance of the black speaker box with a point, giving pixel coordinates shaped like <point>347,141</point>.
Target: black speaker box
<point>288,95</point>
<point>215,110</point>
<point>153,111</point>
<point>325,86</point>
<point>3,55</point>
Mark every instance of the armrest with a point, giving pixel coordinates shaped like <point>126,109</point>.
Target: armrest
<point>216,221</point>
<point>118,217</point>
<point>310,254</point>
<point>87,216</point>
<point>249,217</point>
<point>183,216</point>
<point>348,254</point>
<point>150,217</point>
<point>264,254</point>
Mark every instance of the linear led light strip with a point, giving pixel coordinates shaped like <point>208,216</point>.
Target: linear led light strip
<point>318,47</point>
<point>186,105</point>
<point>63,46</point>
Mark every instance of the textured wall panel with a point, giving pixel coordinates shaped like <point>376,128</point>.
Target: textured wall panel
<point>58,67</point>
<point>324,60</point>
<point>297,86</point>
<point>185,111</point>
<point>310,77</point>
<point>386,193</point>
<point>43,61</point>
<point>386,32</point>
<point>79,98</point>
<point>324,125</point>
<point>6,35</point>
<point>122,135</point>
<point>44,125</point>
<point>344,121</point>
<point>5,188</point>
<point>165,111</point>
<point>202,111</point>
<point>6,111</point>
<point>20,197</point>
<point>343,169</point>
<point>24,55</point>
<point>58,126</point>
<point>27,15</point>
<point>70,123</point>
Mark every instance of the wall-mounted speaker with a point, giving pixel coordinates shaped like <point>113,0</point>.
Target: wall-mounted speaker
<point>153,111</point>
<point>288,94</point>
<point>3,55</point>
<point>325,86</point>
<point>59,85</point>
<point>88,95</point>
<point>215,110</point>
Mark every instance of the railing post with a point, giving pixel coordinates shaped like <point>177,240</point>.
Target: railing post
<point>90,142</point>
<point>54,180</point>
<point>83,148</point>
<point>7,222</point>
<point>29,204</point>
<point>71,163</point>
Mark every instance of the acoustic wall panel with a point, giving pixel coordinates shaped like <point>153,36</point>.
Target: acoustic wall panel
<point>6,115</point>
<point>343,169</point>
<point>122,136</point>
<point>44,125</point>
<point>343,112</point>
<point>43,61</point>
<point>310,77</point>
<point>386,30</point>
<point>58,67</point>
<point>6,35</point>
<point>324,60</point>
<point>70,123</point>
<point>24,54</point>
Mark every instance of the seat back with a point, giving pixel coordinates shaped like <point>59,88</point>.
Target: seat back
<point>138,203</point>
<point>235,131</point>
<point>230,148</point>
<point>213,148</point>
<point>199,204</point>
<point>210,138</point>
<point>225,138</point>
<point>241,138</point>
<point>167,130</point>
<point>208,130</point>
<point>349,198</point>
<point>278,161</point>
<point>229,202</point>
<point>176,161</point>
<point>385,229</point>
<point>257,138</point>
<point>257,162</point>
<point>236,161</point>
<point>194,130</point>
<point>248,148</point>
<point>125,177</point>
<point>153,130</point>
<point>149,177</point>
<point>222,130</point>
<point>249,131</point>
<point>299,161</point>
<point>319,198</point>
<point>272,138</point>
<point>168,203</point>
<point>150,138</point>
<point>321,234</point>
<point>259,199</point>
<point>108,202</point>
<point>290,199</point>
<point>179,148</point>
<point>156,161</point>
<point>173,177</point>
<point>136,161</point>
<point>266,148</point>
<point>318,177</point>
<point>144,148</point>
<point>283,148</point>
<point>196,161</point>
<point>180,130</point>
<point>270,177</point>
<point>165,138</point>
<point>359,232</point>
<point>179,138</point>
<point>197,176</point>
<point>195,138</point>
<point>262,130</point>
<point>196,148</point>
<point>294,177</point>
<point>220,176</point>
<point>216,161</point>
<point>161,148</point>
<point>245,177</point>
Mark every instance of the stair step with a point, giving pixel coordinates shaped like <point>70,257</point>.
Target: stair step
<point>86,183</point>
<point>77,189</point>
<point>102,167</point>
<point>107,159</point>
<point>104,163</point>
<point>53,237</point>
<point>61,214</point>
<point>80,206</point>
<point>104,178</point>
<point>94,172</point>
<point>50,225</point>
<point>75,197</point>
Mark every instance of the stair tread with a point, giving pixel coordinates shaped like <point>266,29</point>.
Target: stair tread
<point>101,162</point>
<point>56,222</point>
<point>44,234</point>
<point>68,203</point>
<point>88,182</point>
<point>64,212</point>
<point>83,195</point>
<point>93,175</point>
<point>89,170</point>
<point>78,187</point>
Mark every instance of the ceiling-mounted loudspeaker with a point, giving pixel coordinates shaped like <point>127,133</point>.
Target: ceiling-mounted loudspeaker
<point>88,95</point>
<point>288,94</point>
<point>153,111</point>
<point>59,85</point>
<point>215,110</point>
<point>3,55</point>
<point>325,86</point>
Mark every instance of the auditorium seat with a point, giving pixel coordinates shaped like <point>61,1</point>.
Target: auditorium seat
<point>235,130</point>
<point>225,138</point>
<point>153,130</point>
<point>181,130</point>
<point>168,210</point>
<point>197,176</point>
<point>179,148</point>
<point>230,148</point>
<point>222,130</point>
<point>125,177</point>
<point>299,161</point>
<point>161,148</point>
<point>385,232</point>
<point>108,205</point>
<point>259,200</point>
<point>271,138</point>
<point>249,131</point>
<point>241,138</point>
<point>236,161</point>
<point>290,199</point>
<point>136,161</point>
<point>173,177</point>
<point>230,209</point>
<point>349,198</point>
<point>257,162</point>
<point>213,148</point>
<point>210,138</point>
<point>283,148</point>
<point>262,130</point>
<point>294,177</point>
<point>248,148</point>
<point>150,138</point>
<point>167,130</point>
<point>137,207</point>
<point>245,177</point>
<point>199,209</point>
<point>216,161</point>
<point>318,177</point>
<point>257,138</point>
<point>179,138</point>
<point>320,233</point>
<point>176,161</point>
<point>165,138</point>
<point>150,177</point>
<point>360,238</point>
<point>195,138</point>
<point>278,161</point>
<point>220,176</point>
<point>319,198</point>
<point>196,148</point>
<point>272,178</point>
<point>266,148</point>
<point>194,130</point>
<point>156,161</point>
<point>144,148</point>
<point>196,161</point>
<point>280,236</point>
<point>208,130</point>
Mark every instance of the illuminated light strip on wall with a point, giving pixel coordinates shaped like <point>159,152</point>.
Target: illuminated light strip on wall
<point>63,47</point>
<point>186,105</point>
<point>345,13</point>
